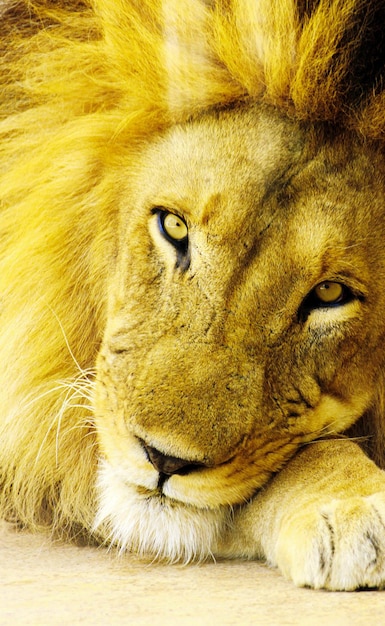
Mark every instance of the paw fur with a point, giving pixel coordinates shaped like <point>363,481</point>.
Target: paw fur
<point>337,546</point>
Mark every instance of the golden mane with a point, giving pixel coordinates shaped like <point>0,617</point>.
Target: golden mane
<point>169,60</point>
<point>83,84</point>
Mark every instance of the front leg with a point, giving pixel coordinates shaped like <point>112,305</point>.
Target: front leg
<point>321,520</point>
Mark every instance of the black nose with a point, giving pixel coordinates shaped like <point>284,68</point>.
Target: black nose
<point>169,465</point>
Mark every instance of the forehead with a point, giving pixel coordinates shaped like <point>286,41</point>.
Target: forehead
<point>252,165</point>
<point>227,154</point>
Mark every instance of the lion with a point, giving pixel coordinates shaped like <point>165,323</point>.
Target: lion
<point>192,280</point>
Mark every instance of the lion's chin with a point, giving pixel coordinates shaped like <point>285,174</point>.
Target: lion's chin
<point>154,526</point>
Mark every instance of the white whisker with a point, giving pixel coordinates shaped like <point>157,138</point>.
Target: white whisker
<point>70,393</point>
<point>79,367</point>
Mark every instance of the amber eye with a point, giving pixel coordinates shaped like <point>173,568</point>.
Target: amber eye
<point>325,295</point>
<point>329,292</point>
<point>174,229</point>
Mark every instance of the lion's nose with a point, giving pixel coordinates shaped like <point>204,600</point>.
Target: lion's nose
<point>169,465</point>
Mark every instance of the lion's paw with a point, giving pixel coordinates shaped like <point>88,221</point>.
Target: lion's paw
<point>338,546</point>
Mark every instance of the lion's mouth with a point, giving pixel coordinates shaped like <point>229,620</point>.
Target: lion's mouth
<point>162,507</point>
<point>196,482</point>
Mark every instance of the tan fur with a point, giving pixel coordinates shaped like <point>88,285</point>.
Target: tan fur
<point>259,125</point>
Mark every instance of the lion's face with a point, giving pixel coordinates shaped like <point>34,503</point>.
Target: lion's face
<point>245,313</point>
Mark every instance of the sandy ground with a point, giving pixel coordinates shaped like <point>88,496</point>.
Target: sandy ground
<point>44,583</point>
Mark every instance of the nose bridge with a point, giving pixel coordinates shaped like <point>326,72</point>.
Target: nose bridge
<point>233,319</point>
<point>247,306</point>
<point>207,385</point>
<point>261,296</point>
<point>229,302</point>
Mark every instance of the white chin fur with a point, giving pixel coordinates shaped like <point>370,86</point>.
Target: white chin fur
<point>155,527</point>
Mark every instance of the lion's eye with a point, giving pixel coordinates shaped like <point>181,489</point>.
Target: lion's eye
<point>174,229</point>
<point>327,294</point>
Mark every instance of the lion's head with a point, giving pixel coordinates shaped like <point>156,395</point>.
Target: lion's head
<point>244,314</point>
<point>191,263</point>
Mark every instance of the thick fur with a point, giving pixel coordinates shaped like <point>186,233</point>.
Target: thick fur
<point>261,125</point>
